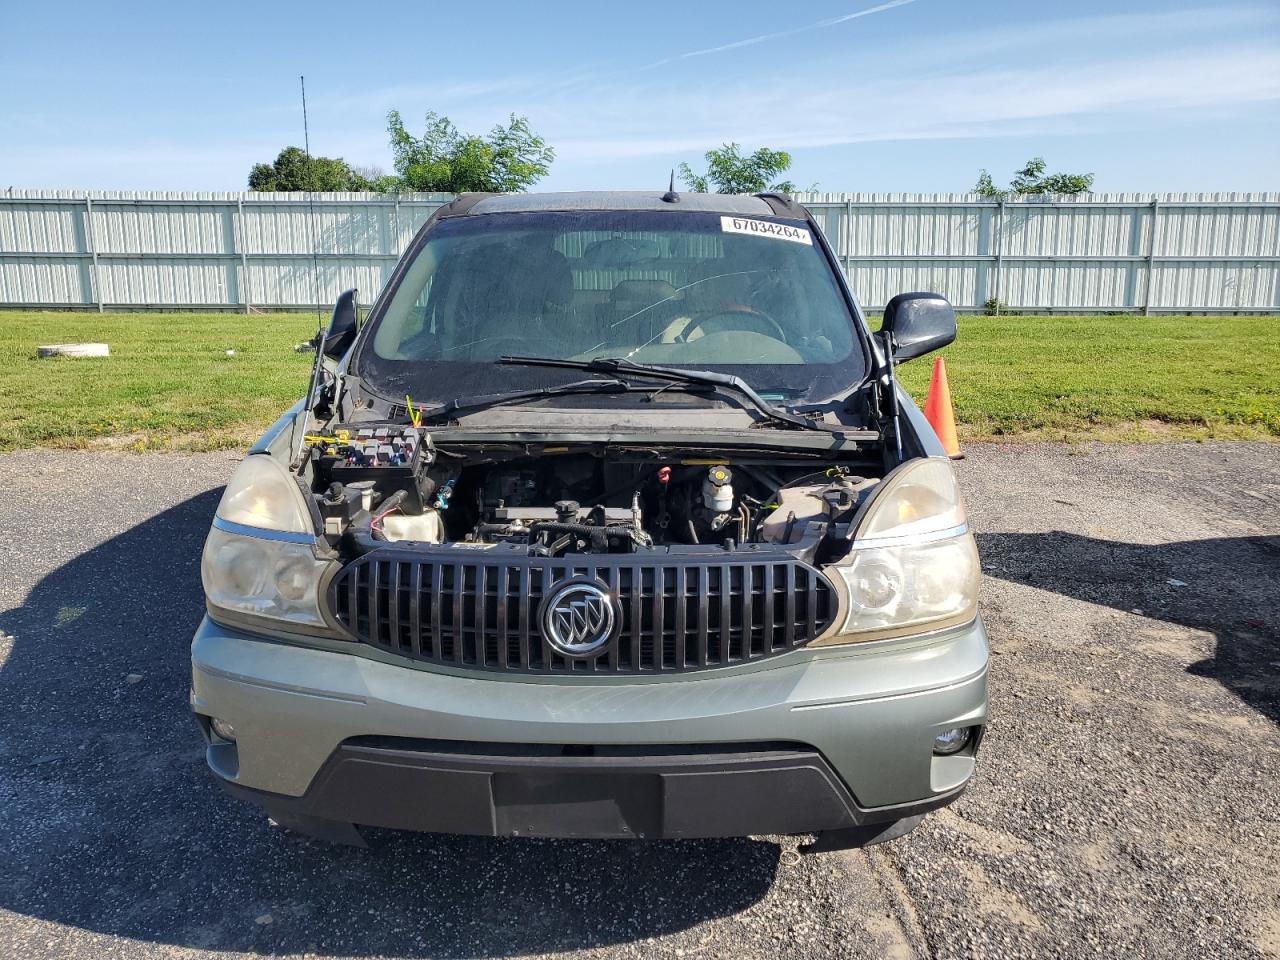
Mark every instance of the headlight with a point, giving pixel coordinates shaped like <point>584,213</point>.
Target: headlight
<point>262,493</point>
<point>277,579</point>
<point>259,559</point>
<point>914,565</point>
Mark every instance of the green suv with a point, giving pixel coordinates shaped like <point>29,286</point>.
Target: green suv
<point>610,520</point>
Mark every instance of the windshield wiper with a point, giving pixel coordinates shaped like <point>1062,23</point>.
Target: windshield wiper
<point>517,396</point>
<point>620,366</point>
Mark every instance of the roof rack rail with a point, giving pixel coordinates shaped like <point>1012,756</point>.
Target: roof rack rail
<point>783,205</point>
<point>461,204</point>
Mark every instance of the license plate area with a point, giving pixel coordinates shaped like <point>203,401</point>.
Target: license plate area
<point>582,804</point>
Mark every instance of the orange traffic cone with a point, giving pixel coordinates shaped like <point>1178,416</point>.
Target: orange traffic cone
<point>937,410</point>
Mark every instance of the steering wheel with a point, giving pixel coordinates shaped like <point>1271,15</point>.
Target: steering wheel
<point>729,320</point>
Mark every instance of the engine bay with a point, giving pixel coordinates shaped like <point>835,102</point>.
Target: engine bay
<point>375,484</point>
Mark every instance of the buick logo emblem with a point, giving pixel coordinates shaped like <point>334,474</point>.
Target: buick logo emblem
<point>578,618</point>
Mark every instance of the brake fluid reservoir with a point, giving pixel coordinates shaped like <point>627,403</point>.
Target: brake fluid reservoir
<point>717,490</point>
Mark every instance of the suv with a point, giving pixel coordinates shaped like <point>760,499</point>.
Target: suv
<point>609,521</point>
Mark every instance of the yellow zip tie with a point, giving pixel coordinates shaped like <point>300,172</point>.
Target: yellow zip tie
<point>415,416</point>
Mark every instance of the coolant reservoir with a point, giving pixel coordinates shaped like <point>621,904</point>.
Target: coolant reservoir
<point>421,528</point>
<point>797,508</point>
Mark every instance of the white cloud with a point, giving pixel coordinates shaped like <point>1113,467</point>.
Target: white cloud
<point>1007,78</point>
<point>1026,79</point>
<point>1091,73</point>
<point>765,37</point>
<point>958,97</point>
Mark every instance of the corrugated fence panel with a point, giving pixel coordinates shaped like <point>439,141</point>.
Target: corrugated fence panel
<point>25,279</point>
<point>1137,252</point>
<point>40,228</point>
<point>878,281</point>
<point>163,230</point>
<point>1228,286</point>
<point>1057,285</point>
<point>1196,231</point>
<point>292,281</point>
<point>159,281</point>
<point>1067,231</point>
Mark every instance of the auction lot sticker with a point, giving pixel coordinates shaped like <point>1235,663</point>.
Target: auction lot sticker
<point>765,228</point>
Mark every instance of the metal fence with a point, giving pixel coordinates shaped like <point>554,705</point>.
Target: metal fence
<point>1166,253</point>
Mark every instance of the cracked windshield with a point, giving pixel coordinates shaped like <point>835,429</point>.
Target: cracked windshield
<point>746,295</point>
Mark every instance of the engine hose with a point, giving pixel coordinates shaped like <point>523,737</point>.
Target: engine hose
<point>690,530</point>
<point>500,530</point>
<point>597,536</point>
<point>360,536</point>
<point>385,507</point>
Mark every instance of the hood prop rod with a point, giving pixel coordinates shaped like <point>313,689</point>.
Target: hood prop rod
<point>888,385</point>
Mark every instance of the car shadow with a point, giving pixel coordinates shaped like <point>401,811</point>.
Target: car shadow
<point>1228,586</point>
<point>110,822</point>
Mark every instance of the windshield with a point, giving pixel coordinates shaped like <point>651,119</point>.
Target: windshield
<point>751,296</point>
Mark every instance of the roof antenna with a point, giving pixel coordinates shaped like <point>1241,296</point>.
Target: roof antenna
<point>671,196</point>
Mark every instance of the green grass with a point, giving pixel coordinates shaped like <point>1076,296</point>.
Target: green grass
<point>169,382</point>
<point>1118,377</point>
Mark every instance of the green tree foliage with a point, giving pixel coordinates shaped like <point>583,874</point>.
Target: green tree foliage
<point>509,160</point>
<point>1032,180</point>
<point>293,171</point>
<point>731,172</point>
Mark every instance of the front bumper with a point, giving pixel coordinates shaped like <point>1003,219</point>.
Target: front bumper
<point>812,741</point>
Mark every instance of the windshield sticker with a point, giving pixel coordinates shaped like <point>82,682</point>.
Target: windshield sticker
<point>765,228</point>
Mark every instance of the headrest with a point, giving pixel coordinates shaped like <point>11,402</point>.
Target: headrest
<point>558,277</point>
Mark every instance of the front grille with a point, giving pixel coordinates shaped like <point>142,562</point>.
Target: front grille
<point>682,614</point>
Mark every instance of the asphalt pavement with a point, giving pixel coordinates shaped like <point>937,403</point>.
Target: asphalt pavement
<point>1126,804</point>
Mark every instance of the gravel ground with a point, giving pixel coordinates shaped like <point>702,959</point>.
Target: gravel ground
<point>1126,802</point>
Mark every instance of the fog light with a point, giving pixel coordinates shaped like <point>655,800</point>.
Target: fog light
<point>951,741</point>
<point>223,730</point>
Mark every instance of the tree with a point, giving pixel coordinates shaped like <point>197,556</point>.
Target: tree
<point>731,172</point>
<point>509,160</point>
<point>376,179</point>
<point>1032,180</point>
<point>293,171</point>
<point>368,171</point>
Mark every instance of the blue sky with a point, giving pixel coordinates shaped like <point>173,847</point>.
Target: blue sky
<point>884,96</point>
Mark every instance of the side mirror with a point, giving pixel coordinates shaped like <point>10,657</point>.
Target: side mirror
<point>342,326</point>
<point>918,323</point>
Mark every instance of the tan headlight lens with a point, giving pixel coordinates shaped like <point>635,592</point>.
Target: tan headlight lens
<point>262,494</point>
<point>922,497</point>
<point>914,565</point>
<point>266,578</point>
<point>909,588</point>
